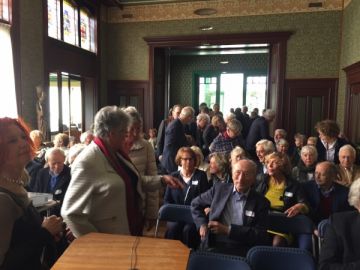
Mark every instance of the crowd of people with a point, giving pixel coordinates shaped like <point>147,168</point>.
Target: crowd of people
<point>227,167</point>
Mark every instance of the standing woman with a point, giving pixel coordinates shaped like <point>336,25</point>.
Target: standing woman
<point>23,234</point>
<point>195,182</point>
<point>105,193</point>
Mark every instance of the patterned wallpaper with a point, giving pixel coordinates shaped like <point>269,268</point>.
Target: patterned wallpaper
<point>312,50</point>
<point>350,53</point>
<point>183,67</point>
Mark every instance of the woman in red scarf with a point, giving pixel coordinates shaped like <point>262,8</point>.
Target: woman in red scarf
<point>105,193</point>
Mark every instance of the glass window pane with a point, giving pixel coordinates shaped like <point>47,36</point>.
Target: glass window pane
<point>54,19</point>
<point>75,104</point>
<point>70,23</point>
<point>231,91</point>
<point>207,91</point>
<point>92,35</point>
<point>201,80</point>
<point>85,30</point>
<point>256,92</point>
<point>65,103</point>
<point>5,10</point>
<point>54,102</point>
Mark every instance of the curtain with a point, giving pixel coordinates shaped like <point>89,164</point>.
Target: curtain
<point>7,81</point>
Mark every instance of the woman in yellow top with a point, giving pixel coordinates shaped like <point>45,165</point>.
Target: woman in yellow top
<point>285,195</point>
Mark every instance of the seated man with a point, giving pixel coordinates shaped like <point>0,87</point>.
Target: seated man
<point>348,171</point>
<point>238,215</point>
<point>324,195</point>
<point>54,178</point>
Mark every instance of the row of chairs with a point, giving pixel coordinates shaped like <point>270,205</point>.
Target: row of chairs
<point>257,258</point>
<point>300,225</point>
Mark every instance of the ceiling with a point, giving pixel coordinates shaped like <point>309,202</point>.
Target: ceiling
<point>143,2</point>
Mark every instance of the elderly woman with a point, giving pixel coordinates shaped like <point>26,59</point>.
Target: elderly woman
<point>341,248</point>
<point>23,233</point>
<point>348,171</point>
<point>195,182</point>
<point>237,154</point>
<point>211,131</point>
<point>305,169</point>
<point>263,148</point>
<point>219,169</point>
<point>227,140</point>
<point>285,195</point>
<point>329,144</point>
<point>279,134</point>
<point>105,193</point>
<point>200,163</point>
<point>282,146</point>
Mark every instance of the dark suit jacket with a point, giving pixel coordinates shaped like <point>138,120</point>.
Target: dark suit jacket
<point>259,130</point>
<point>197,185</point>
<point>341,248</point>
<point>42,185</point>
<point>255,215</point>
<point>174,140</point>
<point>313,196</point>
<point>322,150</point>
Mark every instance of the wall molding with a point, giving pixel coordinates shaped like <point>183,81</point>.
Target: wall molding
<point>225,8</point>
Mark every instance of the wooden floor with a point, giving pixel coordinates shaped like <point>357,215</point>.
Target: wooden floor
<point>151,232</point>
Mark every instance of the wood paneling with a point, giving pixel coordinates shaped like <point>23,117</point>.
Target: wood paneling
<point>306,102</point>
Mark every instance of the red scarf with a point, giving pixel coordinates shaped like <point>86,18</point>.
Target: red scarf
<point>134,216</point>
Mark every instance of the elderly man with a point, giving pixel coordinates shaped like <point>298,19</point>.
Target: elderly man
<point>202,121</point>
<point>55,178</point>
<point>279,134</point>
<point>324,195</point>
<point>259,130</point>
<point>238,214</point>
<point>348,171</point>
<point>175,139</point>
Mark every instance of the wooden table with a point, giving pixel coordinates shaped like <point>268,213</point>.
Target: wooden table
<point>107,251</point>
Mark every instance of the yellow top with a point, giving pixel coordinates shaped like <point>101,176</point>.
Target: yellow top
<point>274,193</point>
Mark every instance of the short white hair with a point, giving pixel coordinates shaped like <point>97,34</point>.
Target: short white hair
<point>268,145</point>
<point>349,148</point>
<point>84,135</point>
<point>309,149</point>
<point>52,151</point>
<point>203,116</point>
<point>354,194</point>
<point>269,114</point>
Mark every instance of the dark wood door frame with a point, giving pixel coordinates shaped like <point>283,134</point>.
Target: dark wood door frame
<point>352,78</point>
<point>277,63</point>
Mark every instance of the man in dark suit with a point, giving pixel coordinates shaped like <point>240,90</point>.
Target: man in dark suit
<point>55,178</point>
<point>238,215</point>
<point>259,130</point>
<point>324,195</point>
<point>175,139</point>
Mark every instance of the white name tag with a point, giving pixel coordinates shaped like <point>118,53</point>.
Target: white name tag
<point>289,194</point>
<point>249,213</point>
<point>58,191</point>
<point>195,183</point>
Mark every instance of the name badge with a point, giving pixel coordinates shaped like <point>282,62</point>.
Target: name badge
<point>195,183</point>
<point>289,194</point>
<point>249,213</point>
<point>58,191</point>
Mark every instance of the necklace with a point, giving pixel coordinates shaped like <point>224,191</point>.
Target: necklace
<point>17,181</point>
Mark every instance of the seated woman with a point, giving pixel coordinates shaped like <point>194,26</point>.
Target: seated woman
<point>195,183</point>
<point>23,233</point>
<point>305,169</point>
<point>200,164</point>
<point>218,169</point>
<point>341,248</point>
<point>285,195</point>
<point>228,139</point>
<point>237,154</point>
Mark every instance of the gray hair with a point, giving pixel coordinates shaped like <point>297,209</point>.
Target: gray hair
<point>54,150</point>
<point>84,135</point>
<point>349,148</point>
<point>36,133</point>
<point>354,194</point>
<point>281,131</point>
<point>235,126</point>
<point>109,118</point>
<point>229,116</point>
<point>310,149</point>
<point>220,160</point>
<point>283,142</point>
<point>134,114</point>
<point>203,116</point>
<point>187,111</point>
<point>252,164</point>
<point>269,114</point>
<point>237,151</point>
<point>268,145</point>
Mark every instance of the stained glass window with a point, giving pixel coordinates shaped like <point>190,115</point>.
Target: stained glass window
<point>54,29</point>
<point>85,30</point>
<point>70,23</point>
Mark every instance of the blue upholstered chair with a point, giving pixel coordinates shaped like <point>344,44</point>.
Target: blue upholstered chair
<point>279,258</point>
<point>174,212</point>
<point>301,226</point>
<point>214,261</point>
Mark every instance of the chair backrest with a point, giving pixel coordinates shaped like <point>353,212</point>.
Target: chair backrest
<point>322,226</point>
<point>174,212</point>
<point>299,224</point>
<point>279,258</point>
<point>201,260</point>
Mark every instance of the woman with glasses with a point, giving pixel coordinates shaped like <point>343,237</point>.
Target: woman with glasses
<point>195,182</point>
